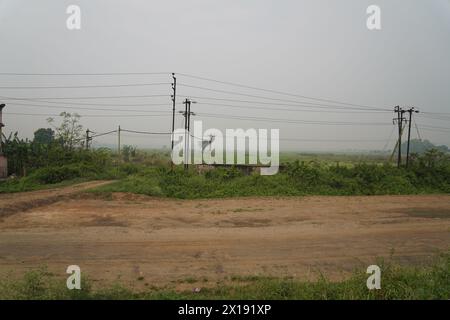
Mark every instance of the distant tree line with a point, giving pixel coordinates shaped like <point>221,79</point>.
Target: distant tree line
<point>50,146</point>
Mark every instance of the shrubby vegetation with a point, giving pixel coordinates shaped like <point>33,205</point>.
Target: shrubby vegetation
<point>59,156</point>
<point>429,173</point>
<point>55,157</point>
<point>429,282</point>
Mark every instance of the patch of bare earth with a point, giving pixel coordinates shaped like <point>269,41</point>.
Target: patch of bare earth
<point>142,240</point>
<point>11,203</point>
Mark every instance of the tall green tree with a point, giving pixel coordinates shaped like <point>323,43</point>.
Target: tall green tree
<point>44,136</point>
<point>69,132</point>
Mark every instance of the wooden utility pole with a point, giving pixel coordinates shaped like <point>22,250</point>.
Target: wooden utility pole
<point>174,97</point>
<point>1,126</point>
<point>410,111</point>
<point>187,119</point>
<point>3,159</point>
<point>87,139</point>
<point>399,121</point>
<point>118,143</point>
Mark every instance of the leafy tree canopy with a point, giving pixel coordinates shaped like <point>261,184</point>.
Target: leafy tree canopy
<point>44,136</point>
<point>422,146</point>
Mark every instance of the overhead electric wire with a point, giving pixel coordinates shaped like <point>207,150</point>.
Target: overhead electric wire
<point>438,113</point>
<point>103,134</point>
<point>434,130</point>
<point>221,116</point>
<point>417,128</point>
<point>92,115</point>
<point>143,137</point>
<point>86,97</point>
<point>272,91</point>
<point>85,74</point>
<point>291,109</point>
<point>269,98</point>
<point>440,118</point>
<point>145,132</point>
<point>434,127</point>
<point>389,139</point>
<point>312,105</point>
<point>246,118</point>
<point>84,86</point>
<point>86,104</point>
<point>302,139</point>
<point>339,106</point>
<point>317,140</point>
<point>84,108</point>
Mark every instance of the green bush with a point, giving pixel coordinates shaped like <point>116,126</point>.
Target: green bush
<point>295,179</point>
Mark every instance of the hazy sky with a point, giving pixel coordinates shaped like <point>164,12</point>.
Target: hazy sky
<point>314,48</point>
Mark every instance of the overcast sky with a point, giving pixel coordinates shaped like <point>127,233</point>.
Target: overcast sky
<point>315,48</point>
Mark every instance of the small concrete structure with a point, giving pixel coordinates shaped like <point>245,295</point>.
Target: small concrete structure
<point>246,169</point>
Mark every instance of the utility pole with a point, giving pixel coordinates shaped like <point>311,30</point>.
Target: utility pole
<point>174,97</point>
<point>399,121</point>
<point>410,111</point>
<point>118,142</point>
<point>187,119</point>
<point>186,159</point>
<point>3,159</point>
<point>1,126</point>
<point>87,139</point>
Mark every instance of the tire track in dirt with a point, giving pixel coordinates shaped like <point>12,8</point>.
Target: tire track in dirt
<point>12,203</point>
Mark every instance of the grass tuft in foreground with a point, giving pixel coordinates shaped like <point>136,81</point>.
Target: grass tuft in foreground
<point>432,282</point>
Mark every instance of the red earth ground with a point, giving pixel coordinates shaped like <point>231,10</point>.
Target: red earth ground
<point>143,240</point>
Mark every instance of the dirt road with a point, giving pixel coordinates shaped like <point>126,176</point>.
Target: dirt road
<point>142,240</point>
<point>11,203</point>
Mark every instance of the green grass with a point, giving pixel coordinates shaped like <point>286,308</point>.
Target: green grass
<point>22,185</point>
<point>316,174</point>
<point>65,175</point>
<point>429,282</point>
<point>296,179</point>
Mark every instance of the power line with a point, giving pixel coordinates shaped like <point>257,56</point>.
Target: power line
<point>91,115</point>
<point>222,116</point>
<point>145,132</point>
<point>84,108</point>
<point>440,118</point>
<point>85,104</point>
<point>143,137</point>
<point>268,98</point>
<point>435,127</point>
<point>389,139</point>
<point>296,109</point>
<point>84,74</point>
<point>212,115</point>
<point>314,140</point>
<point>441,113</point>
<point>310,105</point>
<point>273,91</point>
<point>87,86</point>
<point>87,97</point>
<point>103,134</point>
<point>417,129</point>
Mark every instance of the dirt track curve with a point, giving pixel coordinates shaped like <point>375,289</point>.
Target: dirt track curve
<point>11,203</point>
<point>145,240</point>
